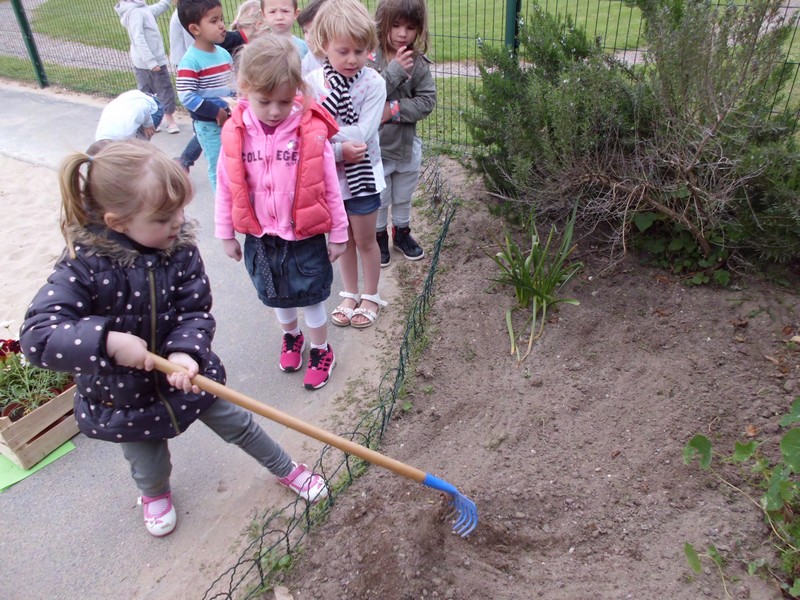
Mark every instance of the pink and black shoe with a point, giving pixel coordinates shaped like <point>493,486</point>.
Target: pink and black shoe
<point>320,365</point>
<point>292,352</point>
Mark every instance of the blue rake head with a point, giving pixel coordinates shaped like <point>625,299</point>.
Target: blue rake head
<point>463,507</point>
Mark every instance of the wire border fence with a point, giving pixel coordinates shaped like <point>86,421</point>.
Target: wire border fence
<point>278,533</point>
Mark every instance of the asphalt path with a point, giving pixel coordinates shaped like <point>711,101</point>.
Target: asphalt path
<point>73,530</point>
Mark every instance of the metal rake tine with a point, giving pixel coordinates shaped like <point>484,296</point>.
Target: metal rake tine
<point>468,515</point>
<point>463,506</point>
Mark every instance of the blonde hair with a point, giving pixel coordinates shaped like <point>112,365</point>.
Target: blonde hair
<point>124,178</point>
<point>249,15</point>
<point>342,20</point>
<point>414,12</point>
<point>267,62</point>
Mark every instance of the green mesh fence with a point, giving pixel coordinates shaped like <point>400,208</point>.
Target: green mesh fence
<point>83,47</point>
<point>277,535</point>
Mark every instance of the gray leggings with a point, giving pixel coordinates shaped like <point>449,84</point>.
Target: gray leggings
<point>150,460</point>
<point>401,182</point>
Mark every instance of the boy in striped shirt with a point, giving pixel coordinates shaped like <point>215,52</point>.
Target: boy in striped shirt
<point>205,76</point>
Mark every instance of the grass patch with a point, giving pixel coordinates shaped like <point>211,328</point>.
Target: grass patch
<point>456,26</point>
<point>616,24</point>
<point>86,81</point>
<point>19,69</point>
<point>445,125</point>
<point>85,21</point>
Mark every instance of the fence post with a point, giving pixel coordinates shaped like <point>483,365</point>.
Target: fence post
<point>30,44</point>
<point>513,8</point>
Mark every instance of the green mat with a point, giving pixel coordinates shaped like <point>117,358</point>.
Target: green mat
<point>11,473</point>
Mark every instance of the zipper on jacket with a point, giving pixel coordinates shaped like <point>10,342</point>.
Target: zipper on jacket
<point>153,319</point>
<point>298,132</point>
<point>268,179</point>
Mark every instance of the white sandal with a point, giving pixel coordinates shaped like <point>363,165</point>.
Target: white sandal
<point>371,315</point>
<point>347,312</point>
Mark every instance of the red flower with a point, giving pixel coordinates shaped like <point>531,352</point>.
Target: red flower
<point>9,347</point>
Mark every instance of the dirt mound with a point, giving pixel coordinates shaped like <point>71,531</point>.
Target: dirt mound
<point>574,457</point>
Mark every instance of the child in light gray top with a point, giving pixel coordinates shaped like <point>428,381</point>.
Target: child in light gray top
<point>147,53</point>
<point>410,97</point>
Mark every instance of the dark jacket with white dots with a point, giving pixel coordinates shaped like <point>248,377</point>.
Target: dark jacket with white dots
<point>113,284</point>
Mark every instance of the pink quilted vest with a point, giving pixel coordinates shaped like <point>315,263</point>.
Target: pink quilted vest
<point>310,213</point>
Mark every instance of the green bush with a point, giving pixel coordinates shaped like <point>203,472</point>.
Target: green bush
<point>559,97</point>
<point>688,135</point>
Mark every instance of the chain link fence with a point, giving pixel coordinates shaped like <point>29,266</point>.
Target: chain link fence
<point>82,46</point>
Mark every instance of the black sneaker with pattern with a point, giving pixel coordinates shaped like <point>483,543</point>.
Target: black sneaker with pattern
<point>383,244</point>
<point>401,237</point>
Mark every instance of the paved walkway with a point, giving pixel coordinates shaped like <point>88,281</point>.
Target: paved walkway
<point>73,530</point>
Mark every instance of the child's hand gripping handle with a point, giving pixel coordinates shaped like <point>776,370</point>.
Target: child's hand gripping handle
<point>273,414</point>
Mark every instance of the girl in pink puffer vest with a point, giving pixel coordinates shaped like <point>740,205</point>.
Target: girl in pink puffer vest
<point>277,185</point>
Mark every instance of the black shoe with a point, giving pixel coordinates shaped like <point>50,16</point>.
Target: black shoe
<point>401,236</point>
<point>383,244</point>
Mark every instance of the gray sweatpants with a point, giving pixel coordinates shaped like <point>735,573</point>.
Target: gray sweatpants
<point>150,460</point>
<point>401,183</point>
<point>158,83</point>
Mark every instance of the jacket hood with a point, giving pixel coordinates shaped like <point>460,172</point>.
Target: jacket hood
<point>101,241</point>
<point>254,126</point>
<point>124,8</point>
<point>301,106</point>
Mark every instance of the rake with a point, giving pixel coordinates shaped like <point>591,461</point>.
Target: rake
<point>464,509</point>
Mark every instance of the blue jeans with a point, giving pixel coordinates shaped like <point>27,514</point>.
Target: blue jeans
<point>157,115</point>
<point>191,153</point>
<point>208,134</point>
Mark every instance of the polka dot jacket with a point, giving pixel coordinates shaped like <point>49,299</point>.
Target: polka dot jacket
<point>113,284</point>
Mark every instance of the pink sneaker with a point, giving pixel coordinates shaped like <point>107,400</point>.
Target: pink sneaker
<point>159,514</point>
<point>292,352</point>
<point>308,485</point>
<point>320,365</point>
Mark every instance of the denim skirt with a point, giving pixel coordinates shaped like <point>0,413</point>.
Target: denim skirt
<point>289,274</point>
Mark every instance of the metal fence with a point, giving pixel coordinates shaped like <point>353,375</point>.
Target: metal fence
<point>83,47</point>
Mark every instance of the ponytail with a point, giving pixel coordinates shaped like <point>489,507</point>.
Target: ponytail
<point>73,191</point>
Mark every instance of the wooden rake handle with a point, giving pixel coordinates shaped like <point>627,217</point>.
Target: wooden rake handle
<point>273,414</point>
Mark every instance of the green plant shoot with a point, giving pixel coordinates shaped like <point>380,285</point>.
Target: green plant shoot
<point>536,277</point>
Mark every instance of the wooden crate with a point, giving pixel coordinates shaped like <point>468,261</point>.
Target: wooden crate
<point>41,431</point>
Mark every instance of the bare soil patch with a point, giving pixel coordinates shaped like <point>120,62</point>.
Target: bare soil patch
<point>574,457</point>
